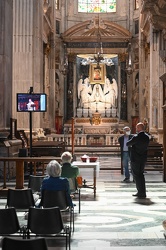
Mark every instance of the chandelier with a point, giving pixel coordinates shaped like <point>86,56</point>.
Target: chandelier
<point>99,56</point>
<point>129,69</point>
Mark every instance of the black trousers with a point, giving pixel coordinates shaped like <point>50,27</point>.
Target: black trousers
<point>138,175</point>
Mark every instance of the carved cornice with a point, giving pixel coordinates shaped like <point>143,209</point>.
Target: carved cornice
<point>145,24</point>
<point>47,25</point>
<point>95,45</point>
<point>156,10</point>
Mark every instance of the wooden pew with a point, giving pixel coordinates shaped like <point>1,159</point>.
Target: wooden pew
<point>47,148</point>
<point>155,156</point>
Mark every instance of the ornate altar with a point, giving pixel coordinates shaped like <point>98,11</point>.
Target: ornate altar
<point>96,118</point>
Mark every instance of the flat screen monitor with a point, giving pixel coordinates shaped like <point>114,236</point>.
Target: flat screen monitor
<point>31,102</point>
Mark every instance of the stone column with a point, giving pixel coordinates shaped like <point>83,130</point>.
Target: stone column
<point>27,55</point>
<point>6,31</point>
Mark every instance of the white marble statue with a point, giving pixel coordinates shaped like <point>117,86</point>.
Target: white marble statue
<point>84,91</point>
<point>110,92</point>
<point>97,94</point>
<point>102,95</point>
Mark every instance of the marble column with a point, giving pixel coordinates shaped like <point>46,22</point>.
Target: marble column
<point>6,31</point>
<point>27,55</point>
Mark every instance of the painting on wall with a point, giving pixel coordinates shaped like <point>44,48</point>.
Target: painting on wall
<point>97,73</point>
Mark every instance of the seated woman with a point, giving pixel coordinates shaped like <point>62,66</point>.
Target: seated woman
<point>68,170</point>
<point>54,181</point>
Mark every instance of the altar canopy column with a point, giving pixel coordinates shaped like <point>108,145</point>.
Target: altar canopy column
<point>123,113</point>
<point>70,83</point>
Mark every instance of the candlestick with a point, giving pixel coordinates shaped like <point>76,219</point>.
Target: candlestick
<point>82,111</point>
<point>116,111</point>
<point>88,112</point>
<point>96,107</point>
<point>105,111</point>
<point>110,111</point>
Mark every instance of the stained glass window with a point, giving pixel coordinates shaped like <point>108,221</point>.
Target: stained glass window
<point>96,6</point>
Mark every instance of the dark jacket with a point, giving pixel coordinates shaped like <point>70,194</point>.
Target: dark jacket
<point>57,183</point>
<point>139,147</point>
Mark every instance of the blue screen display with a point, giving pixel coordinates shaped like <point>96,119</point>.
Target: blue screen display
<point>31,102</point>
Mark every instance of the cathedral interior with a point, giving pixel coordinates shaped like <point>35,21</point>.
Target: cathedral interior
<point>101,64</point>
<point>73,74</point>
<point>104,65</point>
<point>88,69</point>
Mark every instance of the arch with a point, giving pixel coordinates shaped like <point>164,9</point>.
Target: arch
<point>89,30</point>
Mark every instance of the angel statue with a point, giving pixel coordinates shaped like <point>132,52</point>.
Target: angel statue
<point>84,91</point>
<point>97,94</point>
<point>110,92</point>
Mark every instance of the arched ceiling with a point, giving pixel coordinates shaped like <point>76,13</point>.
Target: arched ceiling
<point>90,29</point>
<point>88,34</point>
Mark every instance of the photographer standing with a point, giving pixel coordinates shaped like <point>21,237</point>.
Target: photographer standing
<point>139,147</point>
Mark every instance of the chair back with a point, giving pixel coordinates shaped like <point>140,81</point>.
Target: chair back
<point>35,183</point>
<point>73,184</point>
<point>20,198</point>
<point>75,189</point>
<point>45,221</point>
<point>24,244</point>
<point>9,223</point>
<point>51,198</point>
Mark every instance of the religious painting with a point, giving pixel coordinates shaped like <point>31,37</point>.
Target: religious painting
<point>97,73</point>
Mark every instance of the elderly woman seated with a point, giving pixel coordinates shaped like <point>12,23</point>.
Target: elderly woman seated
<point>54,181</point>
<point>68,170</point>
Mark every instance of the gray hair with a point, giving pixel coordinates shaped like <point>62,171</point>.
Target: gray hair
<point>53,168</point>
<point>66,157</point>
<point>126,127</point>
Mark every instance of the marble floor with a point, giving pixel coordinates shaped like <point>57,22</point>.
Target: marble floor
<point>114,219</point>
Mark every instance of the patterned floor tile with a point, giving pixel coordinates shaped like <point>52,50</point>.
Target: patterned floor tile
<point>114,219</point>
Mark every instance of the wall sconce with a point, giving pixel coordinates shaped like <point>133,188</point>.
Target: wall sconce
<point>64,70</point>
<point>129,69</point>
<point>45,6</point>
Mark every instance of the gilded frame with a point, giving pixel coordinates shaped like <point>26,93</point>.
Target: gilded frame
<point>97,75</point>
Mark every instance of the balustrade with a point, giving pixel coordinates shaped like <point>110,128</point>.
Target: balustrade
<point>87,139</point>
